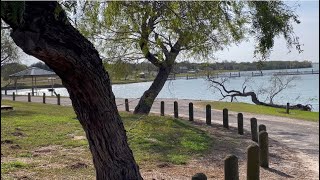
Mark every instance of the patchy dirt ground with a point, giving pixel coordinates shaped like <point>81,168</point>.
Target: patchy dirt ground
<point>50,162</point>
<point>286,160</point>
<point>284,163</point>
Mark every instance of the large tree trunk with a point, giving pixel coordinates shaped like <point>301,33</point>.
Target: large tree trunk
<point>148,97</point>
<point>47,35</point>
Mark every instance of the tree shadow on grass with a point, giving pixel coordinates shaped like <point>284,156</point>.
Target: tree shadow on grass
<point>279,172</point>
<point>14,112</point>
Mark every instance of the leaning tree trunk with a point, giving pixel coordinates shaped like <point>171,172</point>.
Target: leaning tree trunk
<point>47,35</point>
<point>256,101</point>
<point>148,97</point>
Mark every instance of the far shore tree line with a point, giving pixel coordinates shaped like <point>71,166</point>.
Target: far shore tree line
<point>121,70</point>
<point>158,31</point>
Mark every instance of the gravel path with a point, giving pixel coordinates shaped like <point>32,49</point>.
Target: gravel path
<point>299,135</point>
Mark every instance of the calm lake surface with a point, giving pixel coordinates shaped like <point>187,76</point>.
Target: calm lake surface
<point>305,91</point>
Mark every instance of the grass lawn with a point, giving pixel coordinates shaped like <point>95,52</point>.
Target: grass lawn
<point>251,108</point>
<point>47,141</point>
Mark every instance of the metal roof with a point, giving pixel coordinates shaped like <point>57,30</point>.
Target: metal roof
<point>33,71</point>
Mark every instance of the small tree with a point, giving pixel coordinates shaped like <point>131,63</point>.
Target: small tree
<point>41,65</point>
<point>277,84</point>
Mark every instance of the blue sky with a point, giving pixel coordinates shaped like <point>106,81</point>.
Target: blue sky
<point>307,31</point>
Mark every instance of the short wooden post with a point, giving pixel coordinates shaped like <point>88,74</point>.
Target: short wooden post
<point>190,111</point>
<point>231,169</point>
<point>225,118</point>
<point>262,127</point>
<point>175,108</point>
<point>253,169</point>
<point>208,114</point>
<point>264,149</point>
<point>287,108</point>
<point>44,98</point>
<point>29,97</point>
<point>126,102</point>
<point>254,131</point>
<point>5,91</point>
<point>58,99</point>
<point>162,108</point>
<point>240,123</point>
<point>13,96</point>
<point>312,71</point>
<point>239,73</point>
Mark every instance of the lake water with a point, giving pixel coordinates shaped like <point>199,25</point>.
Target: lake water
<point>305,91</point>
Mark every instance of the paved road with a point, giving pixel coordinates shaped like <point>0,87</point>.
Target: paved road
<point>302,136</point>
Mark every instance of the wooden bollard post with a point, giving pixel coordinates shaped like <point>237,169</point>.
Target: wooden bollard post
<point>58,99</point>
<point>254,131</point>
<point>162,108</point>
<point>44,98</point>
<point>190,111</point>
<point>5,91</point>
<point>13,96</point>
<point>126,103</point>
<point>239,73</point>
<point>262,127</point>
<point>264,149</point>
<point>253,169</point>
<point>29,97</point>
<point>208,114</point>
<point>199,176</point>
<point>225,118</point>
<point>287,108</point>
<point>175,108</point>
<point>231,169</point>
<point>240,123</point>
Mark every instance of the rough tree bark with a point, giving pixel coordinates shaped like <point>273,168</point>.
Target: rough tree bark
<point>47,35</point>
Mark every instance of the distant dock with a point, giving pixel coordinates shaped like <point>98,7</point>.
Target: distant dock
<point>261,73</point>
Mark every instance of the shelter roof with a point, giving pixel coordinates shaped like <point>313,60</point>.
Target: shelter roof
<point>33,71</point>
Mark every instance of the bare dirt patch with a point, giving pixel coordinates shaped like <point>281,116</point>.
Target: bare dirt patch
<point>16,146</point>
<point>78,165</point>
<point>18,133</point>
<point>7,141</point>
<point>43,151</point>
<point>284,162</point>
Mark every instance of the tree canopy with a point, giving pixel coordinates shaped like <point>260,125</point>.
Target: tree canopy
<point>134,30</point>
<point>164,31</point>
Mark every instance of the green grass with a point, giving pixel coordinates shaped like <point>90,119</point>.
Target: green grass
<point>153,140</point>
<point>10,166</point>
<point>257,109</point>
